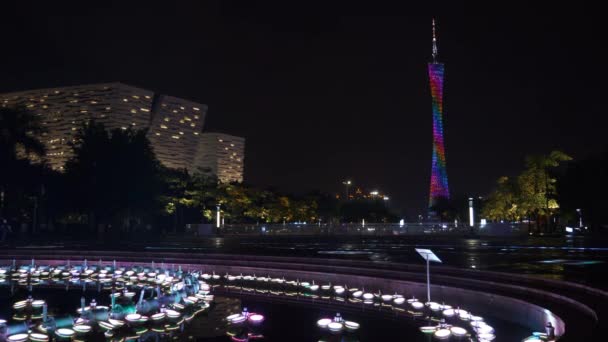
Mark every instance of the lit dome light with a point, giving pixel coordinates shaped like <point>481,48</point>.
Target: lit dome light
<point>351,325</point>
<point>106,325</point>
<point>485,329</point>
<point>256,318</point>
<point>428,329</point>
<point>477,324</point>
<point>458,331</point>
<point>158,316</point>
<point>64,332</point>
<point>442,333</point>
<point>335,326</point>
<point>476,318</point>
<point>325,287</point>
<point>305,284</point>
<point>399,300</point>
<point>368,296</point>
<point>115,322</point>
<point>387,298</point>
<point>82,328</point>
<point>314,287</point>
<point>465,316</point>
<point>18,338</point>
<point>489,337</point>
<point>38,337</point>
<point>323,322</point>
<point>417,305</point>
<point>239,319</point>
<point>339,290</point>
<point>133,317</point>
<point>448,312</point>
<point>231,278</point>
<point>38,303</point>
<point>434,306</point>
<point>216,276</point>
<point>172,313</point>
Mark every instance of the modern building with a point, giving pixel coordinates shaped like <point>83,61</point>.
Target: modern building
<point>64,110</point>
<point>439,176</point>
<point>175,128</point>
<point>174,125</point>
<point>222,155</point>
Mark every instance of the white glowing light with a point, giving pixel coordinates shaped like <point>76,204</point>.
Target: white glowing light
<point>335,326</point>
<point>442,333</point>
<point>323,322</point>
<point>458,331</point>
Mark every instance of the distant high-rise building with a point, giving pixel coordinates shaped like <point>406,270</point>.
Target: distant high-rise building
<point>222,155</point>
<point>174,125</point>
<point>175,129</point>
<point>439,175</point>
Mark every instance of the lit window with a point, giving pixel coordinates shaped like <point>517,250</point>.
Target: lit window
<point>93,102</point>
<point>182,133</point>
<point>232,145</point>
<point>147,96</point>
<point>157,133</point>
<point>196,108</point>
<point>167,119</point>
<point>126,100</point>
<point>123,127</point>
<point>134,111</point>
<point>144,109</point>
<point>163,126</point>
<point>135,96</point>
<point>182,108</point>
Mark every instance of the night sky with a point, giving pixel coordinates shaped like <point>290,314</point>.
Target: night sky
<point>329,92</point>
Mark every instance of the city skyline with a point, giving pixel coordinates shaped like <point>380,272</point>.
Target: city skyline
<point>324,95</point>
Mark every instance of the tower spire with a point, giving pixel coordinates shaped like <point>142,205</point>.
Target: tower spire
<point>434,43</point>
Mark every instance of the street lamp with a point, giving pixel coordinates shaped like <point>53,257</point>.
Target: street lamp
<point>471,213</point>
<point>347,184</point>
<point>580,218</point>
<point>217,216</point>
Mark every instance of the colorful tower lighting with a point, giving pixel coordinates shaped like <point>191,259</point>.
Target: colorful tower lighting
<point>439,176</point>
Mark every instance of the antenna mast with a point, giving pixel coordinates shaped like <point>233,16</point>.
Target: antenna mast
<point>434,43</point>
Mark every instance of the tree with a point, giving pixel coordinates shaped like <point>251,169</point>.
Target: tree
<point>532,194</point>
<point>503,203</point>
<point>115,176</point>
<point>19,132</point>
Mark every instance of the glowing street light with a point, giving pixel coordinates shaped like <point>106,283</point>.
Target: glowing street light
<point>471,213</point>
<point>347,184</point>
<point>217,216</point>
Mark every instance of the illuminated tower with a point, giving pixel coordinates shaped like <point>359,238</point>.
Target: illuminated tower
<point>439,176</point>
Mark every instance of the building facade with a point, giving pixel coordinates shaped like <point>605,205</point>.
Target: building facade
<point>63,111</point>
<point>222,155</point>
<point>174,125</point>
